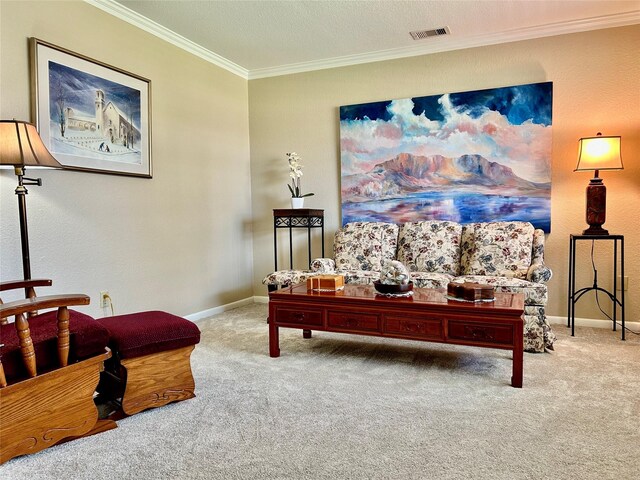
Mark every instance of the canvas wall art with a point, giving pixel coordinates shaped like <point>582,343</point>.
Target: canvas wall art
<point>475,156</point>
<point>91,116</point>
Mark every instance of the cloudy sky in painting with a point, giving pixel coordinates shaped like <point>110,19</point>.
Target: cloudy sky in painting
<point>510,125</point>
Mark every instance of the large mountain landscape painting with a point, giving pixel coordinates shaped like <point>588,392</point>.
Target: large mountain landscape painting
<point>475,156</point>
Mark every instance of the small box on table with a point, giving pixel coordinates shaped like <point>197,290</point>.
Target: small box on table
<point>471,292</point>
<point>326,283</point>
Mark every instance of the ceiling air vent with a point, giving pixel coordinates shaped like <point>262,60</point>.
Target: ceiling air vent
<point>421,34</point>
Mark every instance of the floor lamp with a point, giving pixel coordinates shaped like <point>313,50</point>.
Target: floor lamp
<point>21,147</point>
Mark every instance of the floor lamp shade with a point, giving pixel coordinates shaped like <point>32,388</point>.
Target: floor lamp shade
<point>598,153</point>
<point>20,147</point>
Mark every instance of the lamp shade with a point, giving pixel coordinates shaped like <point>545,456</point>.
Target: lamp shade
<point>21,146</point>
<point>599,153</point>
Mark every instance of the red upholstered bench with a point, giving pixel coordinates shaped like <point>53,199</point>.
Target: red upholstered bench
<point>151,365</point>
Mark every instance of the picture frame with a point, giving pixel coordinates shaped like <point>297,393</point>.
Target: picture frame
<point>93,117</point>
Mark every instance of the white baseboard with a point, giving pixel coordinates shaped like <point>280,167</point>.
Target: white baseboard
<point>593,322</point>
<point>261,299</point>
<point>195,317</point>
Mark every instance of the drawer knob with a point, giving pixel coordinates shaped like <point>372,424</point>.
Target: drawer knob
<point>480,333</point>
<point>412,327</point>
<point>351,322</point>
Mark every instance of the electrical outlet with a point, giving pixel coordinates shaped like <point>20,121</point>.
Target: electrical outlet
<point>104,299</point>
<point>623,284</point>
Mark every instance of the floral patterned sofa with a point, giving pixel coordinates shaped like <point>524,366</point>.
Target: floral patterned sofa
<point>506,255</point>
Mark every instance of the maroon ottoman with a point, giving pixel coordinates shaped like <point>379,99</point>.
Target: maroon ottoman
<point>151,359</point>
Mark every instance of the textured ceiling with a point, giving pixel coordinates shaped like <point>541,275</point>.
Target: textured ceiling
<point>262,35</point>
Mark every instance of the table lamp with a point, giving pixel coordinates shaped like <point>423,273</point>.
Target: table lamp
<point>598,153</point>
<point>21,147</point>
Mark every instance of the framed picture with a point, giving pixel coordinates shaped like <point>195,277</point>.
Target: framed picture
<point>91,116</point>
<point>477,156</point>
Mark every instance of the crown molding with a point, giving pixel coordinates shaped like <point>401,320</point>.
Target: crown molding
<point>432,45</point>
<point>137,20</point>
<point>446,43</point>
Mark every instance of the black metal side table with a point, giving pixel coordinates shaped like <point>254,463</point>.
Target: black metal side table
<point>296,218</point>
<point>575,295</point>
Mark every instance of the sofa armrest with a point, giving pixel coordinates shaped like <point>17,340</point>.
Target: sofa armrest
<point>537,253</point>
<point>539,273</point>
<point>323,265</point>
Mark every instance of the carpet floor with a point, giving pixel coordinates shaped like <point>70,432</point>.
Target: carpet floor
<point>354,407</point>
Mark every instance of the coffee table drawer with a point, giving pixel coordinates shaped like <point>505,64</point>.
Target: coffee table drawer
<point>353,321</point>
<point>298,316</point>
<point>481,332</point>
<point>415,327</point>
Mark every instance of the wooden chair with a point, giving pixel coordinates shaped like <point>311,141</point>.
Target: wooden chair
<point>50,365</point>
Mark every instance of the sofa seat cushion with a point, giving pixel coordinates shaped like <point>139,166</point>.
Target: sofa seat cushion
<point>87,338</point>
<point>363,245</point>
<point>534,293</point>
<point>144,333</point>
<point>430,280</point>
<point>430,246</point>
<point>359,277</point>
<point>498,248</point>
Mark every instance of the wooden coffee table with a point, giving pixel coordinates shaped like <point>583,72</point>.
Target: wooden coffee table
<point>428,316</point>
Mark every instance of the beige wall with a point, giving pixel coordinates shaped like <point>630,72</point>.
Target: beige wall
<point>181,241</point>
<point>596,79</point>
<point>184,240</point>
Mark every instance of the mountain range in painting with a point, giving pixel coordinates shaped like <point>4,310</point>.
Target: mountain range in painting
<point>408,174</point>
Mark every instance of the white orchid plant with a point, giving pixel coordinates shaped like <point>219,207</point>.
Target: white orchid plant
<point>295,172</point>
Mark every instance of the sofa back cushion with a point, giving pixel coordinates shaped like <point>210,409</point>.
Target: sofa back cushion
<point>497,248</point>
<point>430,246</point>
<point>363,245</point>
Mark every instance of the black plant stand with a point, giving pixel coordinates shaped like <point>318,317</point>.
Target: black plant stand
<point>574,296</point>
<point>296,218</point>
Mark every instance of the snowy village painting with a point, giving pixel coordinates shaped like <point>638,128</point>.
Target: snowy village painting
<point>91,116</point>
<point>475,156</point>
